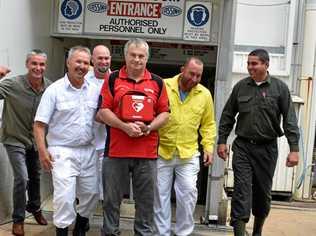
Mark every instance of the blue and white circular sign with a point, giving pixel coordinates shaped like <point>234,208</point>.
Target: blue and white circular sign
<point>198,15</point>
<point>71,9</point>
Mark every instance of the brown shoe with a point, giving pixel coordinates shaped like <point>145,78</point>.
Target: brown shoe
<point>39,218</point>
<point>18,229</point>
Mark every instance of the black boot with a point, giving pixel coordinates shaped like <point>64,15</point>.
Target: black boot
<point>62,231</point>
<point>81,226</point>
<point>239,228</point>
<point>257,226</point>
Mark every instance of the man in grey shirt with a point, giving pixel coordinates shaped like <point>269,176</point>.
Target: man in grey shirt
<point>21,96</point>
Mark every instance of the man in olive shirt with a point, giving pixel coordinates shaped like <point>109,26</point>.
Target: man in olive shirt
<point>21,96</point>
<point>260,101</point>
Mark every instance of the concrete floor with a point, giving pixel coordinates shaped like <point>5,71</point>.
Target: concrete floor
<point>291,222</point>
<point>284,220</point>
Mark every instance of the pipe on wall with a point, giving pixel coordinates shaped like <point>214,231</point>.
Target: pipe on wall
<point>297,47</point>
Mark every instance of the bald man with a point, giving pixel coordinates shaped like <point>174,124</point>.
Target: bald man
<point>101,60</point>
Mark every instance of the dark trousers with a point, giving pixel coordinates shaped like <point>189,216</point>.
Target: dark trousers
<point>115,174</point>
<point>26,171</point>
<point>253,166</point>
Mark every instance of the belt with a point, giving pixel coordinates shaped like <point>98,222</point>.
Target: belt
<point>257,141</point>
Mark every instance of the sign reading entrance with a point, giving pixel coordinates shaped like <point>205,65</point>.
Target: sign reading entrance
<point>159,19</point>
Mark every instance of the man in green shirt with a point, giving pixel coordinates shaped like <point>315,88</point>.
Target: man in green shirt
<point>260,101</point>
<point>21,97</point>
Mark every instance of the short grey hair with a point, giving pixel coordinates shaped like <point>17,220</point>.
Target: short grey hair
<point>136,42</point>
<point>80,49</point>
<point>35,52</point>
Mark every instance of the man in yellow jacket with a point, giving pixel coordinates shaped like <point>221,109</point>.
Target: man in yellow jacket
<point>191,113</point>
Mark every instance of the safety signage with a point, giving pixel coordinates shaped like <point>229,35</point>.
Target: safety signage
<point>70,18</point>
<point>159,19</point>
<point>197,21</point>
<point>165,19</point>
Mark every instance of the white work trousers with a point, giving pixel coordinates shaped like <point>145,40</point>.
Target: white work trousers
<point>74,175</point>
<point>100,156</point>
<point>186,172</point>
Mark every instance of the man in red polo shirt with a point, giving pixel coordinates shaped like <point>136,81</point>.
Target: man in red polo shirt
<point>131,146</point>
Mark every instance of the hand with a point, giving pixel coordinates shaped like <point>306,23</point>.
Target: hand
<point>222,151</point>
<point>3,71</point>
<point>133,130</point>
<point>292,159</point>
<point>144,128</point>
<point>46,160</point>
<point>207,158</point>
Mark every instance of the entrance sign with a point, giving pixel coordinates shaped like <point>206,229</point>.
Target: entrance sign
<point>141,18</point>
<point>158,19</point>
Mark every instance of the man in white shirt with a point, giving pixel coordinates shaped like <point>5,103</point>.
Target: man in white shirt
<point>68,109</point>
<point>101,60</point>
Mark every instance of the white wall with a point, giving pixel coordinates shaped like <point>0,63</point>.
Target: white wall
<point>307,92</point>
<point>267,24</point>
<point>24,25</point>
<point>262,23</point>
<point>309,39</point>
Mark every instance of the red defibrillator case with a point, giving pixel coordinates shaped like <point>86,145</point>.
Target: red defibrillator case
<point>136,106</point>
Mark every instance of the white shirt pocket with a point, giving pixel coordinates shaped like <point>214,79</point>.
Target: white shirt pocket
<point>66,105</point>
<point>91,108</point>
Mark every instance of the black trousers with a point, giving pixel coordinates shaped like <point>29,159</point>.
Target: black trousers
<point>253,166</point>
